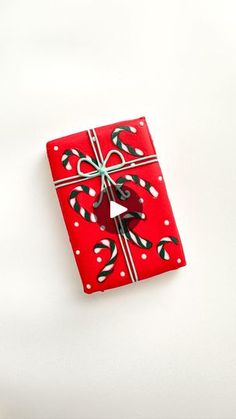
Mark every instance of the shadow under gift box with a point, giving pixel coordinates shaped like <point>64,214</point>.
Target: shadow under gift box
<point>136,245</point>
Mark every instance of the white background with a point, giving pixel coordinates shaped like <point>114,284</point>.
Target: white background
<point>164,349</point>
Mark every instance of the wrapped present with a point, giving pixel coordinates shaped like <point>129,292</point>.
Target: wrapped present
<point>115,166</point>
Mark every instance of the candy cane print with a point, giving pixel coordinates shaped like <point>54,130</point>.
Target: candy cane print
<point>131,235</point>
<point>108,268</point>
<point>121,145</point>
<point>141,182</point>
<point>77,207</point>
<point>73,152</point>
<point>161,246</point>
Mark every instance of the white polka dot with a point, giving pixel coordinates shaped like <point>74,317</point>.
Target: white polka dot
<point>166,222</point>
<point>122,273</point>
<point>141,200</point>
<point>99,259</point>
<point>160,178</point>
<point>76,224</point>
<point>55,147</point>
<point>102,228</point>
<point>144,256</point>
<point>88,286</point>
<point>132,164</point>
<point>77,252</point>
<point>179,260</point>
<point>141,123</point>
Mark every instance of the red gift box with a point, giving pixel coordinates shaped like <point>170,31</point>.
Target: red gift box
<point>118,163</point>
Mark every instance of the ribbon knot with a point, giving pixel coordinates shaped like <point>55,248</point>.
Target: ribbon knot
<point>103,170</point>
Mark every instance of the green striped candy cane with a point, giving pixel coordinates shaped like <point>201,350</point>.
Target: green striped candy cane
<point>141,182</point>
<point>131,235</point>
<point>123,146</point>
<point>161,246</point>
<point>73,200</point>
<point>73,152</point>
<point>108,267</point>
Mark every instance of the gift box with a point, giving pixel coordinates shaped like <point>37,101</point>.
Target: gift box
<point>115,165</point>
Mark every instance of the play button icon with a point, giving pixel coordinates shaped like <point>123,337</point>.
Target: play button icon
<point>116,209</point>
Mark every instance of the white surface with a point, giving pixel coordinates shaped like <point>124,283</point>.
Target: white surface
<point>166,347</point>
<point>116,209</point>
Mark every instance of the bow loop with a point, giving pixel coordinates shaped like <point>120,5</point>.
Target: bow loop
<point>89,161</point>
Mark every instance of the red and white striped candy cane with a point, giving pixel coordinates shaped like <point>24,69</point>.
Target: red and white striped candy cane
<point>138,181</point>
<point>123,146</point>
<point>108,267</point>
<point>131,235</point>
<point>89,216</point>
<point>161,246</point>
<point>67,154</point>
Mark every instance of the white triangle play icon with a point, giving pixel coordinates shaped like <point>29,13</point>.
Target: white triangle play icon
<point>116,209</point>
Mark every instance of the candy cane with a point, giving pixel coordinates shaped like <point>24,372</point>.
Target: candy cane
<point>108,268</point>
<point>122,146</point>
<point>77,207</point>
<point>161,246</point>
<point>141,182</point>
<point>73,152</point>
<point>130,235</point>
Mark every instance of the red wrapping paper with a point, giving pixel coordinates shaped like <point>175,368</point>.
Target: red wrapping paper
<point>98,249</point>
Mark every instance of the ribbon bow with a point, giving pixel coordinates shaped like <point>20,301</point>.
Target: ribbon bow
<point>103,170</point>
